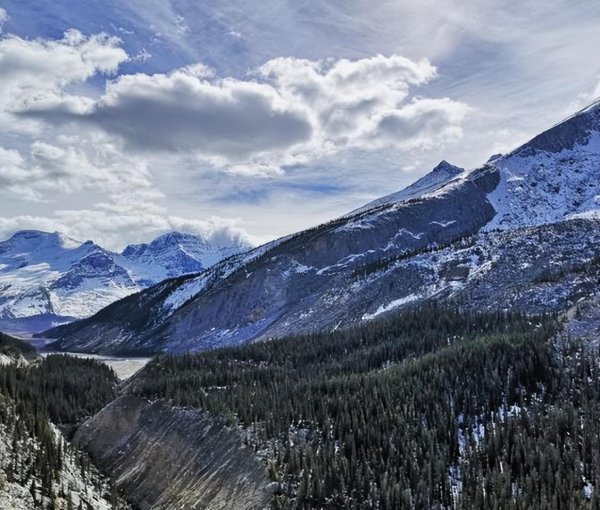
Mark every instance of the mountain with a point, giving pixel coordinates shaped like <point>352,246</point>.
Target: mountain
<point>175,253</point>
<point>520,231</point>
<point>49,278</point>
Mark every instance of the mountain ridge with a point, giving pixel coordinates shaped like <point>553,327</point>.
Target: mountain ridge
<point>445,242</point>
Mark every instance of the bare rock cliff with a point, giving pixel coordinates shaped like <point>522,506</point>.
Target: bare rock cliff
<point>170,458</point>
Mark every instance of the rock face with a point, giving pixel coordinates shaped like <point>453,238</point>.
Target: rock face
<point>73,488</point>
<point>169,458</point>
<point>49,278</point>
<point>500,227</point>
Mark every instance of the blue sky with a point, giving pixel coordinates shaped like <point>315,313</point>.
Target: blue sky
<point>253,119</point>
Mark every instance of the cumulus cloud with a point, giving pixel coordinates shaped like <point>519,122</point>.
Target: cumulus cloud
<point>188,111</point>
<point>184,111</point>
<point>422,123</point>
<point>14,171</point>
<point>288,111</point>
<point>38,70</point>
<point>66,167</point>
<point>363,103</point>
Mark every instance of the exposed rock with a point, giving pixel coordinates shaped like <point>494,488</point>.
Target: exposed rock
<point>170,458</point>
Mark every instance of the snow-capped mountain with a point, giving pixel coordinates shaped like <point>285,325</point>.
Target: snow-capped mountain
<point>176,253</point>
<point>50,278</point>
<point>523,231</point>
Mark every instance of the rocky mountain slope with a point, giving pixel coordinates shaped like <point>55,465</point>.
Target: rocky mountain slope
<point>50,278</point>
<point>73,487</point>
<point>166,457</point>
<point>522,230</point>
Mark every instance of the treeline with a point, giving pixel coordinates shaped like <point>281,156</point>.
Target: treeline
<point>434,408</point>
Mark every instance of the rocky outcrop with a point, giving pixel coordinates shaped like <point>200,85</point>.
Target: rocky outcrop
<point>163,457</point>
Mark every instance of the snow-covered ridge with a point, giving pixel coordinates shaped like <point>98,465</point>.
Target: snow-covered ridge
<point>552,178</point>
<point>50,278</point>
<point>443,173</point>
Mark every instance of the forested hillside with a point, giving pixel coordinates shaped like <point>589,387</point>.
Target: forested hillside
<point>38,467</point>
<point>430,409</point>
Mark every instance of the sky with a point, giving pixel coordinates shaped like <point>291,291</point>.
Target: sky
<point>124,119</point>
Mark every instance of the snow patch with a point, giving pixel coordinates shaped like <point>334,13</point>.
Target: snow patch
<point>390,306</point>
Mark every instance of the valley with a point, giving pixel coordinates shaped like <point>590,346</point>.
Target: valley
<point>315,255</point>
<point>434,349</point>
<point>123,367</point>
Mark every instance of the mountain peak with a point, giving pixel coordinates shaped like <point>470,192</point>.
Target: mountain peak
<point>176,238</point>
<point>575,130</point>
<point>39,238</point>
<point>552,177</point>
<point>444,166</point>
<point>441,174</point>
<point>181,253</point>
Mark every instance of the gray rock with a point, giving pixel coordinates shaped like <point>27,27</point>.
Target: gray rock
<point>165,458</point>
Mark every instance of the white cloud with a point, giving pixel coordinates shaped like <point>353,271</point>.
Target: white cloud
<point>185,111</point>
<point>65,166</point>
<point>13,169</point>
<point>423,123</point>
<point>38,70</point>
<point>287,112</point>
<point>348,98</point>
<point>3,18</point>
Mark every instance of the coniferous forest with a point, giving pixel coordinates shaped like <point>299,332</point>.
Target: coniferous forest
<point>59,390</point>
<point>434,408</point>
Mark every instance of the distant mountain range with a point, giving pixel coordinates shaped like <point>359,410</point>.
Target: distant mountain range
<point>522,231</point>
<point>49,278</point>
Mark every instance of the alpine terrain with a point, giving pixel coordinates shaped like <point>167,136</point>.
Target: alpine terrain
<point>435,349</point>
<point>50,278</point>
<point>518,232</point>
